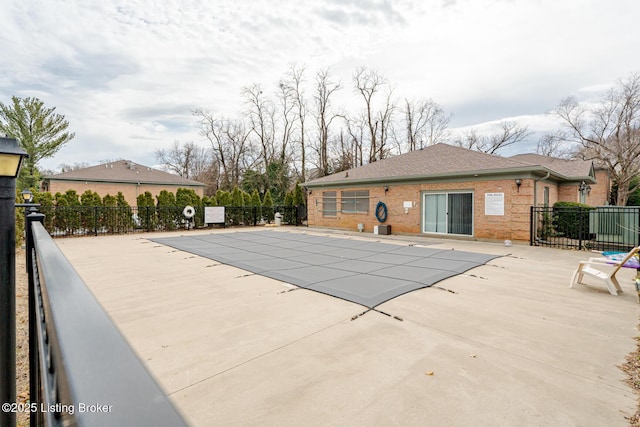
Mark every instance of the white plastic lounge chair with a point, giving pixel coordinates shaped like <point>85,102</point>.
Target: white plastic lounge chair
<point>609,277</point>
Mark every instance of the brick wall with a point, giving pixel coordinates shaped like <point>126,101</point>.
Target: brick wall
<point>598,196</point>
<point>130,191</point>
<point>514,224</point>
<point>600,191</point>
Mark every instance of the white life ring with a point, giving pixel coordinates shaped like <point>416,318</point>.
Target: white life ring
<point>188,212</point>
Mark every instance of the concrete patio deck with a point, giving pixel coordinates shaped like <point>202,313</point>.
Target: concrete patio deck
<point>507,343</point>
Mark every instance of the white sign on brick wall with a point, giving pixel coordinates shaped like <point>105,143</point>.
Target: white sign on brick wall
<point>494,204</point>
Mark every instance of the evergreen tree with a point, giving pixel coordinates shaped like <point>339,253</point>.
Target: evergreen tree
<point>46,202</point>
<point>40,131</point>
<point>298,196</point>
<point>146,211</point>
<point>210,201</point>
<point>90,202</point>
<point>223,197</point>
<point>267,207</point>
<point>166,198</point>
<point>109,201</point>
<point>167,213</point>
<point>145,199</point>
<point>236,197</point>
<point>255,198</point>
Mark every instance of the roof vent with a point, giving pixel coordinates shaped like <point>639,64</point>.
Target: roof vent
<point>131,165</point>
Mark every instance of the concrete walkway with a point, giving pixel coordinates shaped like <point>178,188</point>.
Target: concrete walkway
<point>506,344</point>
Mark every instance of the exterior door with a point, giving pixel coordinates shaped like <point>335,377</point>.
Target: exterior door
<point>448,213</point>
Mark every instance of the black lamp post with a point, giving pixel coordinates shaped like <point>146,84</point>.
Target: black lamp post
<point>11,156</point>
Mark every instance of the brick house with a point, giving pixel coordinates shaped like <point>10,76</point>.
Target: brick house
<point>448,190</point>
<point>124,175</point>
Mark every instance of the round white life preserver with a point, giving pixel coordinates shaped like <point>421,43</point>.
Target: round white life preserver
<point>188,212</point>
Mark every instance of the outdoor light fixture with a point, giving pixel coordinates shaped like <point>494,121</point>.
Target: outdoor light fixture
<point>518,183</point>
<point>385,188</point>
<point>11,156</point>
<point>27,195</point>
<point>584,188</point>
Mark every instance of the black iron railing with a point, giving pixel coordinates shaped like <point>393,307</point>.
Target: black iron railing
<point>593,228</point>
<point>64,221</point>
<point>82,371</point>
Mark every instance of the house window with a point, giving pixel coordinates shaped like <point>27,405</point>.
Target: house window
<point>447,213</point>
<point>355,201</point>
<point>329,203</point>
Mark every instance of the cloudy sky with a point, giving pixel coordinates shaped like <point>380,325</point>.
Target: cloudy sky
<point>127,74</point>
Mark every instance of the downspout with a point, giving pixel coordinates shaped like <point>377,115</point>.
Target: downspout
<point>535,188</point>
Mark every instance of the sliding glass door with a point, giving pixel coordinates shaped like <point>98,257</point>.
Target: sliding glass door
<point>448,213</point>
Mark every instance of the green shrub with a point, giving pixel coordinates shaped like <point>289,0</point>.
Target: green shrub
<point>90,202</point>
<point>298,196</point>
<point>146,211</point>
<point>571,219</point>
<point>267,207</point>
<point>168,214</point>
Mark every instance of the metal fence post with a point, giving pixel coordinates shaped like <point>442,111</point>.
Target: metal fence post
<point>34,365</point>
<point>7,297</point>
<point>531,226</point>
<point>581,225</point>
<point>95,220</point>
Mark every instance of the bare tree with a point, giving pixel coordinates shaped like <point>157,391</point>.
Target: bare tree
<point>608,133</point>
<point>510,133</point>
<point>356,129</point>
<point>65,167</point>
<point>231,149</point>
<point>261,117</point>
<point>426,123</point>
<point>187,160</point>
<point>552,145</point>
<point>324,90</point>
<point>367,83</point>
<point>286,96</point>
<point>343,157</point>
<point>294,83</point>
<point>385,120</point>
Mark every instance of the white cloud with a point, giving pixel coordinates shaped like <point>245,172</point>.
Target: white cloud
<point>127,74</point>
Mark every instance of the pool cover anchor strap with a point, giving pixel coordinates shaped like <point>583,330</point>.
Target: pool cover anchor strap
<point>445,289</point>
<point>377,311</point>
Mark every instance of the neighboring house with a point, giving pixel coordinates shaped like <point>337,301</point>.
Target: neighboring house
<point>448,190</point>
<point>121,176</point>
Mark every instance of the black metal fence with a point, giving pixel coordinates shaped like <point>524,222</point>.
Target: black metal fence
<point>594,228</point>
<point>82,371</point>
<point>63,221</point>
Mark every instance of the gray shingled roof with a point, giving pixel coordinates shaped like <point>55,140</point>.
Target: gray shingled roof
<point>570,168</point>
<point>124,171</point>
<point>435,161</point>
